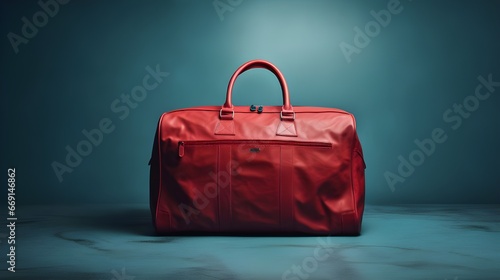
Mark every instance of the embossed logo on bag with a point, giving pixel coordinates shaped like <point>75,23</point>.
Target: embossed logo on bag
<point>254,150</point>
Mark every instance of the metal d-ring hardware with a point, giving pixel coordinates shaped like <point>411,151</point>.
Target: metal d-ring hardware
<point>281,115</point>
<point>220,114</point>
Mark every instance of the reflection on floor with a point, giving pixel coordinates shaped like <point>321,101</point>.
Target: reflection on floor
<point>453,242</point>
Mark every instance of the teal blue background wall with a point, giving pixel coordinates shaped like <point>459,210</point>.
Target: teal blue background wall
<point>426,58</point>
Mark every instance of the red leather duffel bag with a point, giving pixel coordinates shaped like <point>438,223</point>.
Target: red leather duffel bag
<point>257,169</point>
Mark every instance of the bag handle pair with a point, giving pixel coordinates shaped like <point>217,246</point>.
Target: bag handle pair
<point>287,112</point>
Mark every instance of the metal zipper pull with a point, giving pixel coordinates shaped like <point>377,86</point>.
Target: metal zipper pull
<point>181,148</point>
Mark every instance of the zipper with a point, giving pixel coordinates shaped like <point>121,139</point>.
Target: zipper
<point>182,144</point>
<point>181,148</point>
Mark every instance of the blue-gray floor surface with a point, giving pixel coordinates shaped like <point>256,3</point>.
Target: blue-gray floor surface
<point>453,242</point>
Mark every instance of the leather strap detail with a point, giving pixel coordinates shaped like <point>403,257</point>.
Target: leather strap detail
<point>224,127</point>
<point>258,64</point>
<point>224,187</point>
<point>286,189</point>
<point>287,128</point>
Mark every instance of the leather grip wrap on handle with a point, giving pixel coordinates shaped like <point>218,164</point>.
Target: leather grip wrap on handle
<point>258,64</point>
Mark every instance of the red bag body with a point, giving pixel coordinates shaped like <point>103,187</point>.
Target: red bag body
<point>234,170</point>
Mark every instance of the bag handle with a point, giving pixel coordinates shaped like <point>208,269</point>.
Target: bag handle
<point>227,111</point>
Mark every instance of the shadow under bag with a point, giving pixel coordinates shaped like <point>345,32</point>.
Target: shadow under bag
<point>272,170</point>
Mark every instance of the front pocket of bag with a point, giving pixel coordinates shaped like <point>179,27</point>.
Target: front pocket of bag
<point>257,185</point>
<point>193,189</point>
